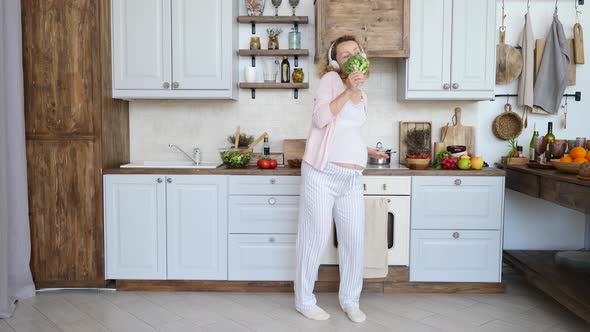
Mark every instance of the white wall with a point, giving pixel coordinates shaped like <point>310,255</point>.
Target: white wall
<point>154,124</point>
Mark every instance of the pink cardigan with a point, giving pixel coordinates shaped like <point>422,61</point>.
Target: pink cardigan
<point>321,134</point>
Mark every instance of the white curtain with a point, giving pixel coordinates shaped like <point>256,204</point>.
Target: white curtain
<point>15,242</point>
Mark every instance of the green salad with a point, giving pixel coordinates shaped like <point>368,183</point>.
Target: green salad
<point>235,159</point>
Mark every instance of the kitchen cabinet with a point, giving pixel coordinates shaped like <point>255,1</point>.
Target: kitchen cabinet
<point>196,208</point>
<point>135,226</point>
<point>262,257</point>
<point>452,47</point>
<point>263,226</point>
<point>168,49</point>
<point>456,228</point>
<point>166,227</point>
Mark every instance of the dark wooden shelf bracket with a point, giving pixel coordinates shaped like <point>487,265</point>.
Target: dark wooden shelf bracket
<point>253,61</point>
<point>296,61</point>
<point>296,94</point>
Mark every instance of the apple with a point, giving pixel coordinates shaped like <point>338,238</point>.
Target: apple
<point>464,164</point>
<point>476,163</point>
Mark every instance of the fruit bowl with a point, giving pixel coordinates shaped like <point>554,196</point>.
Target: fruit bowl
<point>565,167</point>
<point>418,164</point>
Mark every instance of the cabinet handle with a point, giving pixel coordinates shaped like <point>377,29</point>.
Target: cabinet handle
<point>385,186</point>
<point>273,181</point>
<point>271,240</point>
<point>159,180</point>
<point>169,180</point>
<point>455,86</point>
<point>166,85</point>
<point>446,86</point>
<point>457,182</point>
<point>456,235</point>
<point>272,201</point>
<point>175,85</point>
<point>364,186</point>
<point>388,200</point>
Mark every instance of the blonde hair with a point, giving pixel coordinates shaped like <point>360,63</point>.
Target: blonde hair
<point>324,66</point>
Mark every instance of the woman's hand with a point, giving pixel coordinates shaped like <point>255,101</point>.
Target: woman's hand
<point>355,79</point>
<point>376,154</point>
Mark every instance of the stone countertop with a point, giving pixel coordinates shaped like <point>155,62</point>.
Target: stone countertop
<point>253,170</point>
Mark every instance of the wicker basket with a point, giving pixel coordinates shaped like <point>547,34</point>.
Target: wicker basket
<point>507,125</point>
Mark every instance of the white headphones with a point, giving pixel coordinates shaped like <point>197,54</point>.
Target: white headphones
<point>334,64</point>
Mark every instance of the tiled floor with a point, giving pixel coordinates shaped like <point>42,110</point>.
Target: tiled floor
<point>522,308</point>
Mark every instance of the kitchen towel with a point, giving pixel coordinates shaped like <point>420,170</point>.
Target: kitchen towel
<point>376,213</point>
<point>554,72</point>
<point>526,82</point>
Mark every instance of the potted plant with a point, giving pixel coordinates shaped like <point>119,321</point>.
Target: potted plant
<point>273,38</point>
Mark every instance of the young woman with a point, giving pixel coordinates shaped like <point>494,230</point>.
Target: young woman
<point>334,158</point>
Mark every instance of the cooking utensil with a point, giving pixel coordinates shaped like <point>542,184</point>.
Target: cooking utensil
<point>237,138</point>
<point>251,146</point>
<point>444,132</point>
<point>438,148</point>
<point>459,134</point>
<point>380,161</point>
<point>508,60</point>
<point>578,44</point>
<point>507,125</point>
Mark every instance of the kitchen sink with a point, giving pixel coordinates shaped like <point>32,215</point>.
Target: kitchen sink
<point>171,164</point>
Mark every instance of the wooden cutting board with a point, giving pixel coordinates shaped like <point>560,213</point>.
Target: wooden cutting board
<point>460,134</point>
<point>293,148</point>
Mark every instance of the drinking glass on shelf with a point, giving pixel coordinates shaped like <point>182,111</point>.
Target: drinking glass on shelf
<point>294,4</point>
<point>271,68</point>
<point>581,142</point>
<point>277,4</point>
<point>540,148</point>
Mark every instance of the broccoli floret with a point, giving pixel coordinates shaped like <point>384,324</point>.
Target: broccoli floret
<point>356,62</point>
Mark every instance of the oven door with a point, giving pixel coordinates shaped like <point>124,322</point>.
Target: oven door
<point>398,233</point>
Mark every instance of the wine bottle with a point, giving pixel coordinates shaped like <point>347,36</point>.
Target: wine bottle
<point>549,139</point>
<point>285,70</point>
<point>266,147</point>
<point>532,145</point>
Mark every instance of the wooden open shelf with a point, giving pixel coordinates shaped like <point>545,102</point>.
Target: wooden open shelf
<point>569,287</point>
<point>287,52</point>
<point>274,19</point>
<point>262,85</point>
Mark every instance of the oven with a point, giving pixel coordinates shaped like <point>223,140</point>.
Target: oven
<point>396,190</point>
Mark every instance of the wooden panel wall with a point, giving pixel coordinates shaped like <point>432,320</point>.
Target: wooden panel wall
<point>74,129</point>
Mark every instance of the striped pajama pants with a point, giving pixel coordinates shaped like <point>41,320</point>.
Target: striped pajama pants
<point>334,192</point>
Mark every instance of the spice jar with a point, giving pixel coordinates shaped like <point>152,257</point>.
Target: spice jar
<point>298,75</point>
<point>255,43</point>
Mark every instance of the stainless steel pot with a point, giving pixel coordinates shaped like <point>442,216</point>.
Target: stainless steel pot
<point>381,161</point>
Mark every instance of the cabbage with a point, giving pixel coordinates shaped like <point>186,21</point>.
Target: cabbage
<point>356,62</point>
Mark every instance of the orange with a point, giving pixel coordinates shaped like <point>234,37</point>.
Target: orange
<point>566,159</point>
<point>578,152</point>
<point>580,160</point>
<point>588,155</point>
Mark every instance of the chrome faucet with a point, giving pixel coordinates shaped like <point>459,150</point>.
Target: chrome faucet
<point>196,159</point>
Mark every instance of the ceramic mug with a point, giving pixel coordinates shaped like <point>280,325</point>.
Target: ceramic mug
<point>250,74</point>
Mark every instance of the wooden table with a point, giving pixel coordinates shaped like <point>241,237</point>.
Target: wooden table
<point>569,287</point>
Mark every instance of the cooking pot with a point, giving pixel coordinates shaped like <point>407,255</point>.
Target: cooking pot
<point>381,161</point>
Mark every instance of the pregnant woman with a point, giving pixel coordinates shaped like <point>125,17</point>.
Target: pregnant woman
<point>335,156</point>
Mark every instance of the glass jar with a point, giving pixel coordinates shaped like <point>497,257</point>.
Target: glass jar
<point>273,42</point>
<point>294,39</point>
<point>255,43</point>
<point>298,75</point>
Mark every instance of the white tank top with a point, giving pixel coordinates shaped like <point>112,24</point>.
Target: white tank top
<point>348,146</point>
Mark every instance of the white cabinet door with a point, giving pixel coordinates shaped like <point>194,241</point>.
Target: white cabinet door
<point>474,52</point>
<point>263,214</point>
<point>261,257</point>
<point>135,226</point>
<point>202,44</point>
<point>448,202</point>
<point>455,256</point>
<point>197,227</point>
<point>429,65</point>
<point>141,44</point>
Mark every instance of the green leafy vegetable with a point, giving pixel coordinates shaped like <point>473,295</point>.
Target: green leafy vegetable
<point>356,62</point>
<point>234,159</point>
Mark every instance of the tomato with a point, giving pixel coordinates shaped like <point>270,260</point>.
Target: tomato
<point>273,163</point>
<point>258,162</point>
<point>264,163</point>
